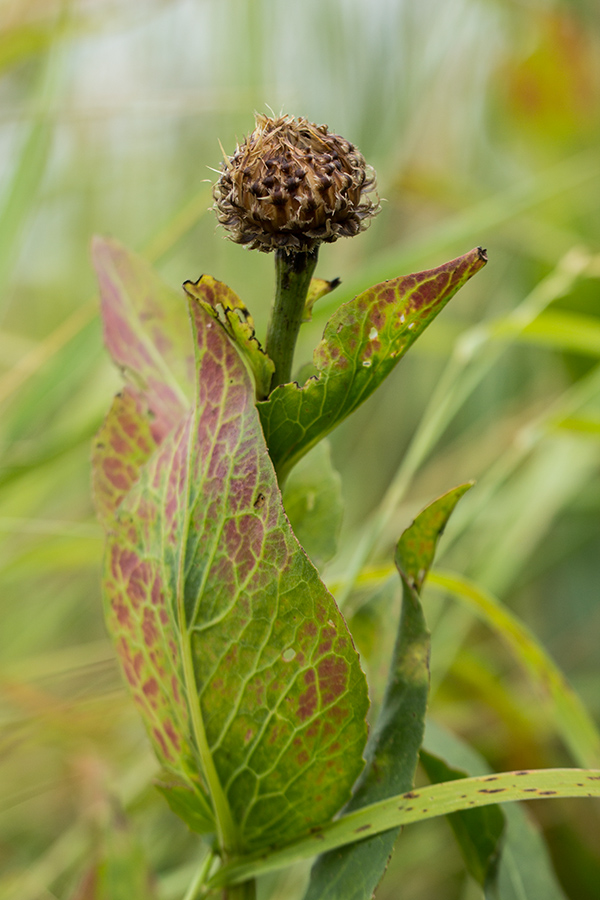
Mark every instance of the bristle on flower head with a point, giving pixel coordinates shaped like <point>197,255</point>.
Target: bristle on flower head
<point>291,185</point>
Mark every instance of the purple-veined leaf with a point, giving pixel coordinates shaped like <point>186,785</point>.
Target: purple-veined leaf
<point>353,872</point>
<point>363,341</point>
<point>145,329</point>
<point>235,652</point>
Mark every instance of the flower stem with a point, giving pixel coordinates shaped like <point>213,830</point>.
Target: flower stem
<point>293,273</point>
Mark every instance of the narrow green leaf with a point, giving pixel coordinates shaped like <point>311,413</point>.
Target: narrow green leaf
<point>525,869</point>
<point>362,343</point>
<point>576,727</point>
<point>225,306</point>
<point>477,831</point>
<point>312,498</point>
<point>236,655</point>
<point>559,329</point>
<point>418,806</point>
<point>353,873</point>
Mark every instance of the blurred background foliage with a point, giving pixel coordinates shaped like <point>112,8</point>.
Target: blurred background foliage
<point>482,118</point>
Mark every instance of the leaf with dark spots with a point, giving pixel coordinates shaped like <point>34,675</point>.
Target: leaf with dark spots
<point>234,651</point>
<point>353,873</point>
<point>362,343</point>
<point>225,306</point>
<point>123,445</point>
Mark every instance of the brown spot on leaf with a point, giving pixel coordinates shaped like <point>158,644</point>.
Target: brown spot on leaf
<point>333,673</point>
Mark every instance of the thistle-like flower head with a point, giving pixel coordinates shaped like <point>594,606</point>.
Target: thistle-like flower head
<point>291,185</point>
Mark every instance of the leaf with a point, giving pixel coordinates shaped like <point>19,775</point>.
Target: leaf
<point>184,803</point>
<point>120,871</point>
<point>225,306</point>
<point>145,330</point>
<point>312,498</point>
<point>417,806</point>
<point>575,725</point>
<point>353,873</point>
<point>525,869</point>
<point>236,654</point>
<point>317,288</point>
<point>362,343</point>
<point>478,831</point>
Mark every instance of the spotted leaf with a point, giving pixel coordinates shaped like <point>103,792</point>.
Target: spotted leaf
<point>362,343</point>
<point>235,653</point>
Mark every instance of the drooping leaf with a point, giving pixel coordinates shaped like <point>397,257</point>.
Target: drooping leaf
<point>319,287</point>
<point>362,343</point>
<point>417,806</point>
<point>312,498</point>
<point>226,307</point>
<point>477,831</point>
<point>235,653</point>
<point>353,873</point>
<point>525,869</point>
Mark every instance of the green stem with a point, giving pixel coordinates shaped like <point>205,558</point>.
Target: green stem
<point>293,273</point>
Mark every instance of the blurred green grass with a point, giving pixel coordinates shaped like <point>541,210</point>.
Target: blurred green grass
<point>482,118</point>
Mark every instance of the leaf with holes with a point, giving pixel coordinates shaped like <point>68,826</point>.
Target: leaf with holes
<point>235,653</point>
<point>225,306</point>
<point>362,343</point>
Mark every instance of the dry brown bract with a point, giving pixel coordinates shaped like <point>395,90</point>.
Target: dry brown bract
<point>292,185</point>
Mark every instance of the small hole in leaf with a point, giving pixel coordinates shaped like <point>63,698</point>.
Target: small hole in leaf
<point>366,363</point>
<point>373,334</point>
<point>288,655</point>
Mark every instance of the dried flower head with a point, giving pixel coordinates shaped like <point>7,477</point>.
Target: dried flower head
<point>291,185</point>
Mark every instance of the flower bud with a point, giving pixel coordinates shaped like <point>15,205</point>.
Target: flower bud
<point>291,185</point>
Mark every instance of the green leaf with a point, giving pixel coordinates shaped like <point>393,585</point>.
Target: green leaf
<point>353,873</point>
<point>318,288</point>
<point>417,806</point>
<point>477,831</point>
<point>362,343</point>
<point>183,802</point>
<point>525,869</point>
<point>236,654</point>
<point>225,306</point>
<point>121,871</point>
<point>575,725</point>
<point>312,498</point>
<point>559,329</point>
